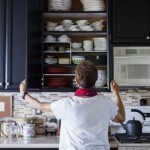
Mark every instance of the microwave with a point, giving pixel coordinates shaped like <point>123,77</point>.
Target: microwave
<point>132,66</point>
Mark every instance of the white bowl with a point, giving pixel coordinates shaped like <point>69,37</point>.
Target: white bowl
<point>78,59</point>
<point>49,28</point>
<point>52,24</point>
<point>51,60</point>
<point>76,45</point>
<point>82,22</point>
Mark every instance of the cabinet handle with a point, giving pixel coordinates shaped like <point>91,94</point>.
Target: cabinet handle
<point>7,83</point>
<point>148,38</point>
<point>1,84</point>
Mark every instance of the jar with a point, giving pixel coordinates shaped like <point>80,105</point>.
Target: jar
<point>28,130</point>
<point>13,131</point>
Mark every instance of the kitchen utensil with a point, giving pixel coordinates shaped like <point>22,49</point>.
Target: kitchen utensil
<point>133,128</point>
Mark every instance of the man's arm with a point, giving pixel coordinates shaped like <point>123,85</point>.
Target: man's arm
<point>120,117</point>
<point>44,107</point>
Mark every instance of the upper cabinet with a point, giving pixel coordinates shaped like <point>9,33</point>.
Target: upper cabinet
<point>20,38</point>
<point>12,43</point>
<point>72,31</point>
<point>130,21</point>
<point>2,43</point>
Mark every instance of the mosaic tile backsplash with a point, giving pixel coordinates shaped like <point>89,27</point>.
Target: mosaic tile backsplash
<point>22,109</point>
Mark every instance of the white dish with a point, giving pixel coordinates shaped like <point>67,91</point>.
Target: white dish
<point>99,49</point>
<point>78,59</point>
<point>76,45</point>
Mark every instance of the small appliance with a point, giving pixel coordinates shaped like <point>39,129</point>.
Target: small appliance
<point>132,66</point>
<point>135,131</point>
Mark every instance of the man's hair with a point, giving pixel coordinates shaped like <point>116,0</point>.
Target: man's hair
<point>86,74</point>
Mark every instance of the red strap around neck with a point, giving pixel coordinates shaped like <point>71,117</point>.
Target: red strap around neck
<point>86,92</point>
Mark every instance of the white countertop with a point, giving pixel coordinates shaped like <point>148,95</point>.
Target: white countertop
<point>36,142</point>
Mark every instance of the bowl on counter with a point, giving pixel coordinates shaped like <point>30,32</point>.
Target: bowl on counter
<point>78,59</point>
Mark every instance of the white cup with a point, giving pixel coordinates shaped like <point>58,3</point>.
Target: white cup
<point>88,45</point>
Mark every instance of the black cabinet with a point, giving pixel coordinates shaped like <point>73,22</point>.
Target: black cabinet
<point>22,36</point>
<point>38,47</point>
<point>19,38</point>
<point>2,43</point>
<point>130,21</point>
<point>34,45</point>
<point>13,16</point>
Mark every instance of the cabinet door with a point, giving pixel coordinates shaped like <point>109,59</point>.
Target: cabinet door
<point>2,43</point>
<point>16,19</point>
<point>130,21</point>
<point>34,46</point>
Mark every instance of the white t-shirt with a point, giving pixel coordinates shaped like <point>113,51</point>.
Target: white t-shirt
<point>84,122</point>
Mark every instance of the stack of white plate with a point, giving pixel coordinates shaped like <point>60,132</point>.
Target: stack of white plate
<point>88,45</point>
<point>101,80</point>
<point>59,5</point>
<point>93,5</point>
<point>100,44</point>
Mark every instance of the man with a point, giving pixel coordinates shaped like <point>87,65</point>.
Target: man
<point>85,116</point>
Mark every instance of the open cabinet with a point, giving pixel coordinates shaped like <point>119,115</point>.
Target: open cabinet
<point>66,37</point>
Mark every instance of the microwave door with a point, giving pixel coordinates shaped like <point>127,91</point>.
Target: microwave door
<point>133,71</point>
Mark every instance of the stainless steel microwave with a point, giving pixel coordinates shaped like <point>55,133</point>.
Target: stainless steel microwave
<point>132,66</point>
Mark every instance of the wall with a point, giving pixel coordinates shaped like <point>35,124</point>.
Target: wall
<point>22,109</point>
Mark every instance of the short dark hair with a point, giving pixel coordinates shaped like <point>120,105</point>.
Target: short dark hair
<point>86,74</point>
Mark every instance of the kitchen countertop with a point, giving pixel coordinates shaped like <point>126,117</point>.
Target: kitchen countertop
<point>40,141</point>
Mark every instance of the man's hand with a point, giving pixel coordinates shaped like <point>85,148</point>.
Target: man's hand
<point>114,87</point>
<point>22,87</point>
